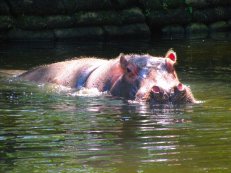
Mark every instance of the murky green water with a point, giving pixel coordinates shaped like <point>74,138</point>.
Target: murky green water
<point>46,131</point>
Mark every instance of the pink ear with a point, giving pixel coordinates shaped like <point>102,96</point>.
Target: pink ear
<point>171,55</point>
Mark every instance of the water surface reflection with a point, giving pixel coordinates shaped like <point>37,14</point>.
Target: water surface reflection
<point>43,129</point>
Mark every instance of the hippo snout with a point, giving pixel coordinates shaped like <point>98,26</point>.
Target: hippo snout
<point>178,94</point>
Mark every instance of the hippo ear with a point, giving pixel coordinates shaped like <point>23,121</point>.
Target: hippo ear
<point>123,60</point>
<point>171,55</point>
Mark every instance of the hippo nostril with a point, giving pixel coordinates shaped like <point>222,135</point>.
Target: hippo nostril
<point>180,87</point>
<point>156,89</point>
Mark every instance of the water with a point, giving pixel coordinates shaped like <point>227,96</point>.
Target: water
<point>43,129</point>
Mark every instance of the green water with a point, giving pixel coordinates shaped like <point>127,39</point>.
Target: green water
<point>46,131</point>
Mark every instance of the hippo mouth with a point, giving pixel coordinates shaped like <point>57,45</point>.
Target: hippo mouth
<point>179,94</point>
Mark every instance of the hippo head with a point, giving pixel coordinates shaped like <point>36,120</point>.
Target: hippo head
<point>152,79</point>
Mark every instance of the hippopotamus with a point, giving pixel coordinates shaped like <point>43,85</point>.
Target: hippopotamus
<point>139,77</point>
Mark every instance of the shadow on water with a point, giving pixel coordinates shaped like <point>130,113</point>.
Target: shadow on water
<point>46,131</point>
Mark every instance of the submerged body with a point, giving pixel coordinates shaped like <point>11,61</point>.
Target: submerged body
<point>134,77</point>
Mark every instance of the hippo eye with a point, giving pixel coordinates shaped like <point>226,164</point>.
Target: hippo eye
<point>128,70</point>
<point>131,70</point>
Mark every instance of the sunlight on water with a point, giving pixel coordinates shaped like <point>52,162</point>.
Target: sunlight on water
<point>50,128</point>
<point>88,92</point>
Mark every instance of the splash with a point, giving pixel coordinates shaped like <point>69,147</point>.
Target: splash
<point>84,92</point>
<point>88,92</point>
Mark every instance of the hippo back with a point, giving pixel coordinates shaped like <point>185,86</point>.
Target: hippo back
<point>72,73</point>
